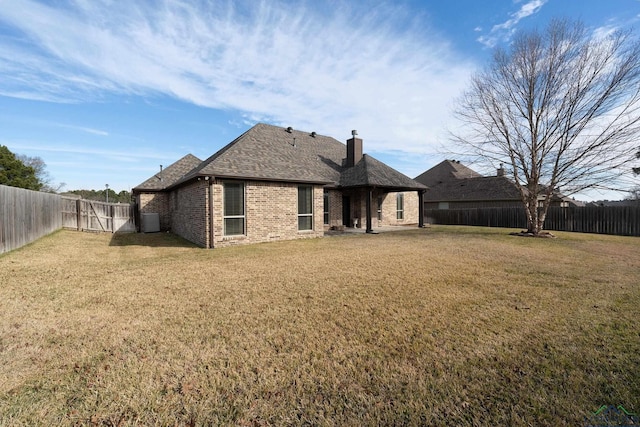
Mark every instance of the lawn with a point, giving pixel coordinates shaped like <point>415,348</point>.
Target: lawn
<point>440,326</point>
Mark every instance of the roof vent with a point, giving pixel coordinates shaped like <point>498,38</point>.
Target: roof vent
<point>313,134</point>
<point>289,129</point>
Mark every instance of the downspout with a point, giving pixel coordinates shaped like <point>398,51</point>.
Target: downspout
<point>369,221</point>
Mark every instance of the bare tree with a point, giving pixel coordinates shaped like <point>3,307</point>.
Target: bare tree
<point>561,108</point>
<point>634,195</point>
<point>40,168</point>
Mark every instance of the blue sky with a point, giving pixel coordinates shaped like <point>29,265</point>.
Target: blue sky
<point>107,91</point>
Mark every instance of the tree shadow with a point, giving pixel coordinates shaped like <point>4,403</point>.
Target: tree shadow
<point>156,240</point>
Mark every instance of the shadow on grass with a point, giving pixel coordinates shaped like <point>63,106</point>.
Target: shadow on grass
<point>156,240</point>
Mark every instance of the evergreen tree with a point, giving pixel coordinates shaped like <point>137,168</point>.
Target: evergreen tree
<point>15,173</point>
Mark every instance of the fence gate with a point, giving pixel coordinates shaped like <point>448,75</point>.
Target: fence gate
<point>89,215</point>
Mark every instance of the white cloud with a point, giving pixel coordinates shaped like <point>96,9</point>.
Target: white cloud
<point>92,131</point>
<point>131,155</point>
<point>605,31</point>
<point>504,31</point>
<point>376,69</point>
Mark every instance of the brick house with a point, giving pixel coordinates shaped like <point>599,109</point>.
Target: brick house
<point>453,185</point>
<point>273,183</point>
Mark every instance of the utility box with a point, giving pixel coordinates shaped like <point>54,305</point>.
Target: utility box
<point>150,222</point>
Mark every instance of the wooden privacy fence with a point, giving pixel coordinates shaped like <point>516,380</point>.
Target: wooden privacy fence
<point>89,215</point>
<point>616,220</point>
<point>26,215</point>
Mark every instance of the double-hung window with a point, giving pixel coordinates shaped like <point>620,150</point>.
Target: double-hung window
<point>400,206</point>
<point>233,193</point>
<point>305,207</point>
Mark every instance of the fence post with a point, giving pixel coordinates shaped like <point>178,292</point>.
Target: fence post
<point>113,215</point>
<point>79,214</point>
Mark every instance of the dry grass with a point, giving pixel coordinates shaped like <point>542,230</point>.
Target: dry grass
<point>447,326</point>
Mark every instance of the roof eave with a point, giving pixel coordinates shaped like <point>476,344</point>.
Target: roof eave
<point>249,178</point>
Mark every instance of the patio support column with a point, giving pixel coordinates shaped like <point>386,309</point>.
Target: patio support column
<point>369,221</point>
<point>421,208</point>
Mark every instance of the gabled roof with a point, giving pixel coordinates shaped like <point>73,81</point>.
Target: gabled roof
<point>450,181</point>
<point>171,174</point>
<point>273,153</point>
<point>446,171</point>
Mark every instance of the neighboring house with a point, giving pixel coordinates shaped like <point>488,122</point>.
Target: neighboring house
<point>454,186</point>
<point>274,183</point>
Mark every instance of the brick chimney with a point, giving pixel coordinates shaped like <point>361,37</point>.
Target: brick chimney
<point>500,170</point>
<point>354,149</point>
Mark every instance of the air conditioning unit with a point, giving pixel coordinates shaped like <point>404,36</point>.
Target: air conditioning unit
<point>150,222</point>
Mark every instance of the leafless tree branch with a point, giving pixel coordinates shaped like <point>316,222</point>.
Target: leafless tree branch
<point>560,107</point>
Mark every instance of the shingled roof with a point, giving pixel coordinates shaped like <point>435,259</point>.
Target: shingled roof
<point>452,181</point>
<point>446,171</point>
<point>272,153</point>
<point>369,172</point>
<point>170,175</point>
<point>483,188</point>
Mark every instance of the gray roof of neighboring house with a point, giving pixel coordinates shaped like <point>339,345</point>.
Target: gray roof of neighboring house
<point>482,188</point>
<point>171,174</point>
<point>446,171</point>
<point>273,153</point>
<point>450,181</point>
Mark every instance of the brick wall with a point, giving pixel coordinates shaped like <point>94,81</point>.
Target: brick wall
<point>389,209</point>
<point>412,208</point>
<point>190,212</point>
<point>271,213</point>
<point>156,203</point>
<point>335,209</point>
<point>389,204</point>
